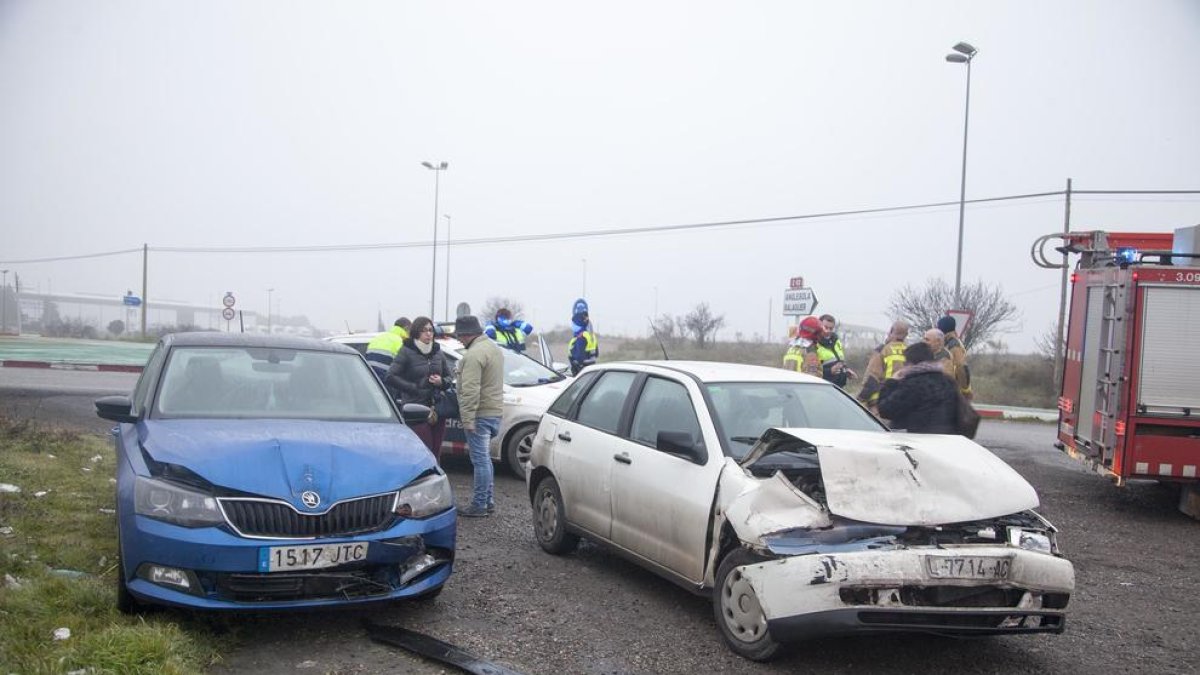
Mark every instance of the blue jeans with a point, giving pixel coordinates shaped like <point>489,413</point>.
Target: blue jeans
<point>481,460</point>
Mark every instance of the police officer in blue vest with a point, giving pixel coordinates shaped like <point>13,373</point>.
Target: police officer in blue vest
<point>508,332</point>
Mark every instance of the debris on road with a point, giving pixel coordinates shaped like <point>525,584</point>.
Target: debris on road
<point>9,487</point>
<point>432,648</point>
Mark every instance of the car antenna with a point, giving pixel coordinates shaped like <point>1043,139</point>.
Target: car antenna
<point>660,342</point>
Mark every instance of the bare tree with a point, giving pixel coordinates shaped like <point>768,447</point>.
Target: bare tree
<point>665,328</point>
<point>495,304</point>
<point>921,307</point>
<point>701,324</point>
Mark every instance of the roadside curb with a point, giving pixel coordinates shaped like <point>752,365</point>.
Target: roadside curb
<point>56,365</point>
<point>1000,412</point>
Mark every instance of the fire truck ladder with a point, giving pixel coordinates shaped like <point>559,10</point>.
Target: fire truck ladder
<point>1111,368</point>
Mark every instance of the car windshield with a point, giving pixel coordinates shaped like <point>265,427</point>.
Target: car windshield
<point>268,382</point>
<point>744,410</point>
<point>522,371</point>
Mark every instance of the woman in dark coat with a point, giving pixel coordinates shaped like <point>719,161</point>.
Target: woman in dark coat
<point>419,370</point>
<point>921,399</point>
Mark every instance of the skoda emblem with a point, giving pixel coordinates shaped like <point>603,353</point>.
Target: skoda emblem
<point>310,499</point>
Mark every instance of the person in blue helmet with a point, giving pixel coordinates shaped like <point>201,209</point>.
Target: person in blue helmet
<point>508,332</point>
<point>583,346</point>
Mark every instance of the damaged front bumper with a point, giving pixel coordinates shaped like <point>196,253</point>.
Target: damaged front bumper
<point>914,590</point>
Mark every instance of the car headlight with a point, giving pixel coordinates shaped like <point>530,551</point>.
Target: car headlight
<point>1033,540</point>
<point>425,497</point>
<point>175,504</point>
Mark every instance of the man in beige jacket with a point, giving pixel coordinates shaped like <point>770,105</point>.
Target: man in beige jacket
<point>480,406</point>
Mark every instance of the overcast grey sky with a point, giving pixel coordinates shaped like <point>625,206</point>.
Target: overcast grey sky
<point>249,123</point>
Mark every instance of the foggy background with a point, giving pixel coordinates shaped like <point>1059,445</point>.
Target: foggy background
<point>261,124</point>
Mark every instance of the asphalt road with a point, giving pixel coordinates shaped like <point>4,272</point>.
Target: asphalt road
<point>1135,609</point>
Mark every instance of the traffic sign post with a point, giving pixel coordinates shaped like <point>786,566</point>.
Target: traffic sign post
<point>229,301</point>
<point>799,302</point>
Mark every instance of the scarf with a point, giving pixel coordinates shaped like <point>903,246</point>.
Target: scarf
<point>423,348</point>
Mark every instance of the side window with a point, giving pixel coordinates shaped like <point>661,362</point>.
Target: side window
<point>663,406</point>
<point>149,373</point>
<point>562,405</point>
<point>602,406</point>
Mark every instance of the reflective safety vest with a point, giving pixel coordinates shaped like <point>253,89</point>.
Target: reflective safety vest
<point>382,348</point>
<point>827,355</point>
<point>893,360</point>
<point>793,358</point>
<point>513,338</point>
<point>590,351</point>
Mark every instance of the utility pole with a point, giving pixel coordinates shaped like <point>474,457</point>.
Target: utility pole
<point>1062,295</point>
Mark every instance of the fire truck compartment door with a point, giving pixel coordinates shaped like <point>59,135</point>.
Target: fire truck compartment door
<point>1168,380</point>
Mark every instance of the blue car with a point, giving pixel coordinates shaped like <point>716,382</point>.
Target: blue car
<point>265,473</point>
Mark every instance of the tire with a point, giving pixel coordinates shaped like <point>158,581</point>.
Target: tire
<point>738,612</point>
<point>126,603</point>
<point>549,522</point>
<point>518,448</point>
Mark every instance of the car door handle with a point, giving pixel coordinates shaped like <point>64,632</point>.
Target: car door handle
<point>565,436</point>
<point>623,458</point>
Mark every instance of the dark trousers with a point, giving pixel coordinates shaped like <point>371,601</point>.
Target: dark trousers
<point>431,435</point>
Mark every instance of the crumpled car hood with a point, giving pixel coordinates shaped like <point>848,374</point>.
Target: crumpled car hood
<point>283,458</point>
<point>907,479</point>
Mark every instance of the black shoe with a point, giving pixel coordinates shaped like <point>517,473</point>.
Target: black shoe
<point>473,511</point>
<point>491,508</point>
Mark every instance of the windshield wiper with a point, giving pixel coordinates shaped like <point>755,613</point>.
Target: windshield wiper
<point>748,440</point>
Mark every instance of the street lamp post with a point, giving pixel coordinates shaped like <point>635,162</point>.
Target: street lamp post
<point>269,292</point>
<point>447,289</point>
<point>963,53</point>
<point>4,303</point>
<point>437,172</point>
<point>584,294</point>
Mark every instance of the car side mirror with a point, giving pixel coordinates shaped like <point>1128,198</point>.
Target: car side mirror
<point>681,444</point>
<point>414,413</point>
<point>116,408</point>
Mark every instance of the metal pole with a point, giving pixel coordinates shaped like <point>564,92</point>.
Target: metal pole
<point>145,298</point>
<point>269,292</point>
<point>584,294</point>
<point>4,303</point>
<point>446,315</point>
<point>1062,296</point>
<point>962,192</point>
<point>433,275</point>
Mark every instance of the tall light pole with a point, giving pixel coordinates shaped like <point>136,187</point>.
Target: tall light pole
<point>437,172</point>
<point>584,294</point>
<point>963,53</point>
<point>269,292</point>
<point>446,316</point>
<point>4,303</point>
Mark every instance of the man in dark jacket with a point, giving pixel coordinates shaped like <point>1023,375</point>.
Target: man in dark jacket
<point>921,398</point>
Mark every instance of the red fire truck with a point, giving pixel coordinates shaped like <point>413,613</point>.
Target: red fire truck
<point>1129,405</point>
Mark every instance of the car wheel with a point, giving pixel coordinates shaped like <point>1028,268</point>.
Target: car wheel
<point>549,524</point>
<point>518,448</point>
<point>126,603</point>
<point>739,613</point>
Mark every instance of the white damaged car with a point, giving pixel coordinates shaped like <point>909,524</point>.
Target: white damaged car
<point>799,513</point>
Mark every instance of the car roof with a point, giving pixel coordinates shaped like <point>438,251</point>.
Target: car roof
<point>718,371</point>
<point>364,338</point>
<point>221,339</point>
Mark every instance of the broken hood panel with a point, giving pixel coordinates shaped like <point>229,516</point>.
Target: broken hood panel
<point>914,479</point>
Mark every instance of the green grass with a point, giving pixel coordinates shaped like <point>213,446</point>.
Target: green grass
<point>1025,380</point>
<point>62,554</point>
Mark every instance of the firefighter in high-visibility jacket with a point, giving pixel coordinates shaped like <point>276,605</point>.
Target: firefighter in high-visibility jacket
<point>801,355</point>
<point>382,348</point>
<point>885,361</point>
<point>958,355</point>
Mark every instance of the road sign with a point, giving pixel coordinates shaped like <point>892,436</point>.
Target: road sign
<point>796,282</point>
<point>131,300</point>
<point>962,321</point>
<point>228,314</point>
<point>229,300</point>
<point>799,302</point>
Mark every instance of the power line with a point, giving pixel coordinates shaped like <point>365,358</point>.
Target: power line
<point>593,233</point>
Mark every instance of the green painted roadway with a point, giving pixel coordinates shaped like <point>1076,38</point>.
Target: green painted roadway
<point>66,350</point>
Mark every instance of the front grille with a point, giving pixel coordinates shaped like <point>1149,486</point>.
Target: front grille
<point>271,519</point>
<point>306,585</point>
